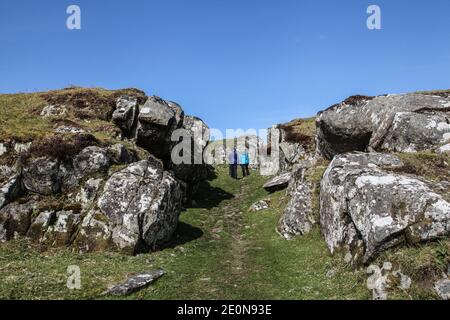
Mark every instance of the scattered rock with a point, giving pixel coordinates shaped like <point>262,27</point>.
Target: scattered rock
<point>259,205</point>
<point>53,111</point>
<point>365,209</point>
<point>278,183</point>
<point>135,283</point>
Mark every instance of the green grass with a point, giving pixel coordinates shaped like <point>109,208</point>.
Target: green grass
<point>221,251</point>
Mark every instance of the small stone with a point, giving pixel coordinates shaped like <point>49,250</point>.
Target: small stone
<point>136,283</point>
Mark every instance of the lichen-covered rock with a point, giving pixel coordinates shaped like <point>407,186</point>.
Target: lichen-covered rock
<point>54,111</point>
<point>10,190</point>
<point>385,279</point>
<point>61,229</point>
<point>442,288</point>
<point>403,123</point>
<point>141,204</point>
<point>88,192</point>
<point>259,206</point>
<point>94,233</point>
<point>157,120</point>
<point>91,160</point>
<point>365,209</point>
<point>278,183</point>
<point>298,216</point>
<point>135,283</point>
<point>42,176</point>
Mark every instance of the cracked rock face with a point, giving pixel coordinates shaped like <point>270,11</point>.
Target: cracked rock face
<point>157,120</point>
<point>141,204</point>
<point>401,123</point>
<point>298,216</point>
<point>365,209</point>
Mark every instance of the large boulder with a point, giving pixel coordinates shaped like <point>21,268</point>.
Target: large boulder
<point>137,210</point>
<point>365,208</point>
<point>402,123</point>
<point>157,120</point>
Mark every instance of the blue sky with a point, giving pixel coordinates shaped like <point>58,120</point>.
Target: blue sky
<point>235,63</point>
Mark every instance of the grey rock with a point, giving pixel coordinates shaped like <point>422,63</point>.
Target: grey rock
<point>69,129</point>
<point>3,149</point>
<point>298,216</point>
<point>42,176</point>
<point>10,190</point>
<point>442,288</point>
<point>192,169</point>
<point>445,149</point>
<point>91,160</point>
<point>157,120</point>
<point>135,283</point>
<point>60,230</point>
<point>364,209</point>
<point>142,204</point>
<point>88,192</point>
<point>15,219</point>
<point>259,206</point>
<point>125,115</point>
<point>383,279</point>
<point>278,183</point>
<point>53,111</point>
<point>404,123</point>
<point>21,147</point>
<point>95,233</point>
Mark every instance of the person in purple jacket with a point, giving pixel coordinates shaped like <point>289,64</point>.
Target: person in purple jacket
<point>233,163</point>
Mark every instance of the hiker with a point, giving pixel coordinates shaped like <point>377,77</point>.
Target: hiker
<point>233,162</point>
<point>244,162</point>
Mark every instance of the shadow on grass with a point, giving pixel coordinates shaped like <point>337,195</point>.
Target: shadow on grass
<point>185,233</point>
<point>208,197</point>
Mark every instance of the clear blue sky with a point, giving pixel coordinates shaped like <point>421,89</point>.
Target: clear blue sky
<point>235,63</point>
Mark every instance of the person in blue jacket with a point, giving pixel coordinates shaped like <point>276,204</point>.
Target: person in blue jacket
<point>233,162</point>
<point>245,162</point>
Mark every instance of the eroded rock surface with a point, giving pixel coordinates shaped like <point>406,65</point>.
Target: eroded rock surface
<point>278,183</point>
<point>401,123</point>
<point>298,218</point>
<point>365,208</point>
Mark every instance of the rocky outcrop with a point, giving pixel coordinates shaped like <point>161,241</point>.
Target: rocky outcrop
<point>400,123</point>
<point>365,208</point>
<point>298,218</point>
<point>71,189</point>
<point>156,121</point>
